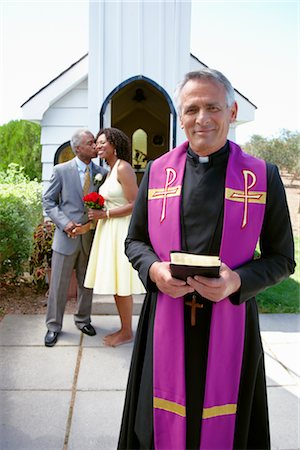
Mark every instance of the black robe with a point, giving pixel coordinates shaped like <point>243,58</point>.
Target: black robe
<point>201,226</point>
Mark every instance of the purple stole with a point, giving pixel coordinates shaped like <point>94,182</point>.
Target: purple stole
<point>244,206</point>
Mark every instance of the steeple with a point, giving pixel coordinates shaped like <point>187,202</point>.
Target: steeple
<point>134,38</point>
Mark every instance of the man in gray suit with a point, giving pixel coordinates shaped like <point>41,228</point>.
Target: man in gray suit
<point>63,203</point>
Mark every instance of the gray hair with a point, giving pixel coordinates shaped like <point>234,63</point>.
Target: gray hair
<point>208,74</point>
<point>77,138</point>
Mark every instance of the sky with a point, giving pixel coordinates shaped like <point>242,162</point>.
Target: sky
<point>254,43</point>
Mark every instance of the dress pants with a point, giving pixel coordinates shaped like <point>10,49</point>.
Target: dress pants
<point>61,271</point>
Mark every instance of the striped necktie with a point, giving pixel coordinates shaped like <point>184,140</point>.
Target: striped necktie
<point>86,181</point>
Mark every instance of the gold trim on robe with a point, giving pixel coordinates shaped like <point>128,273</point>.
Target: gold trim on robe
<point>169,406</point>
<point>222,410</point>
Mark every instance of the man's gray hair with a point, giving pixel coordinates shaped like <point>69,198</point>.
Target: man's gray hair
<point>77,138</point>
<point>208,74</point>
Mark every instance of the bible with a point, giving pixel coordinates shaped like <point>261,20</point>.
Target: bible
<point>185,264</point>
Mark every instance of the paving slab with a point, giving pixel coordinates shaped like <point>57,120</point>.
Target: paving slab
<point>281,337</point>
<point>38,383</point>
<point>30,330</point>
<point>288,355</point>
<point>276,373</point>
<point>284,417</point>
<point>105,324</point>
<point>104,369</point>
<point>280,322</point>
<point>98,428</point>
<point>27,368</point>
<point>33,420</point>
<point>105,304</point>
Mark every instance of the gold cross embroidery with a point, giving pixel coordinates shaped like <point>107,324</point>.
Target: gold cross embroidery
<point>167,191</point>
<point>246,196</point>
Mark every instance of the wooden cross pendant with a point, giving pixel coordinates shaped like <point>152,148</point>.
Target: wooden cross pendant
<point>194,305</point>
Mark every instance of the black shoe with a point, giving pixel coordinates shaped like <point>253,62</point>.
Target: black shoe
<point>89,330</point>
<point>51,338</point>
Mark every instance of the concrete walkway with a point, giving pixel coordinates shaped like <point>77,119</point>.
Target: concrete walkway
<point>71,396</point>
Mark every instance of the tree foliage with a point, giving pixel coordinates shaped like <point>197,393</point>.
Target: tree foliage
<point>284,151</point>
<point>20,212</point>
<point>20,144</point>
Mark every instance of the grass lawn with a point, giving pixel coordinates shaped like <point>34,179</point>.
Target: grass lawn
<point>284,297</point>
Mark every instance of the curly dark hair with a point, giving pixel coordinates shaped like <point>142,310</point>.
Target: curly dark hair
<point>119,140</point>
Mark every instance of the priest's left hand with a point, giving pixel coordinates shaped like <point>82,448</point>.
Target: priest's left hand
<point>216,289</point>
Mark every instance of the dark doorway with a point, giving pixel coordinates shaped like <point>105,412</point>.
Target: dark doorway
<point>144,111</point>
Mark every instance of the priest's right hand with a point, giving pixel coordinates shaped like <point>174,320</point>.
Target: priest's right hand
<point>160,274</point>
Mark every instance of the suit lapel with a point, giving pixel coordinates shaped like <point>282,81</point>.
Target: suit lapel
<point>94,172</point>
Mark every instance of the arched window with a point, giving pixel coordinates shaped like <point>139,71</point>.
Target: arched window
<point>64,153</point>
<point>139,149</point>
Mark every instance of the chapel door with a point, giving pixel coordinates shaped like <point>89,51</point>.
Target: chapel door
<point>142,111</point>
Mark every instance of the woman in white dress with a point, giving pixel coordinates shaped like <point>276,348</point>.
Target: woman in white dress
<point>109,272</point>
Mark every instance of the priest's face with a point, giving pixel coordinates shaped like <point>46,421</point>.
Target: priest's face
<point>205,116</point>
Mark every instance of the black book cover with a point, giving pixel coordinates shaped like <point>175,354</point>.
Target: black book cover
<point>185,264</point>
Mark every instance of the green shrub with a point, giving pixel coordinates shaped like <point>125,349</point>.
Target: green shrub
<point>20,211</point>
<point>40,258</point>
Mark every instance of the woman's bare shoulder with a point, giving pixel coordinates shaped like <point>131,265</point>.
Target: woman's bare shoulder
<point>124,167</point>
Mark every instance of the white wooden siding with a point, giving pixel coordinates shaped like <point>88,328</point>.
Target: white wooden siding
<point>147,39</point>
<point>60,121</point>
<point>48,153</point>
<point>68,117</point>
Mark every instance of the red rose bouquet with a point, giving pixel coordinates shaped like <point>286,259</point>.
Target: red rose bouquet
<point>93,200</point>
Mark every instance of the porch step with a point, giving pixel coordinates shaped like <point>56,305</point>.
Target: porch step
<point>105,304</point>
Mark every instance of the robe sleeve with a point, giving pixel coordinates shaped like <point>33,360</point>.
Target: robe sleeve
<point>137,244</point>
<point>276,261</point>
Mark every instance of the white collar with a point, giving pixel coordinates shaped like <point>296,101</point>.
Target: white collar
<point>81,165</point>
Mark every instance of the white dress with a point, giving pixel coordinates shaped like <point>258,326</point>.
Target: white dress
<point>109,272</point>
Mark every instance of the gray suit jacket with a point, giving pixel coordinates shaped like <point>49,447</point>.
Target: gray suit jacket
<point>63,203</point>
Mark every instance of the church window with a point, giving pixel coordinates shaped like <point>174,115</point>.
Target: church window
<point>139,149</point>
<point>64,153</point>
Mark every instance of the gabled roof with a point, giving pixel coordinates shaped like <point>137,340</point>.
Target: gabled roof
<point>54,79</point>
<point>36,105</point>
<point>86,55</point>
<point>198,60</point>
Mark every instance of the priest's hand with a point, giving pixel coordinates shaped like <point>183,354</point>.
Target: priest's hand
<point>216,289</point>
<point>160,274</point>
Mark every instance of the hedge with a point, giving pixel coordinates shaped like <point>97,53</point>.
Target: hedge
<point>20,212</point>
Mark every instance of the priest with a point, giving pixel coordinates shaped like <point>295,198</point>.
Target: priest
<point>197,376</point>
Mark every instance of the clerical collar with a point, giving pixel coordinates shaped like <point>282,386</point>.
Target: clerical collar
<point>203,159</point>
<point>211,159</point>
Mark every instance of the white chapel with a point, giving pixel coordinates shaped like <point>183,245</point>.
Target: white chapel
<point>138,51</point>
